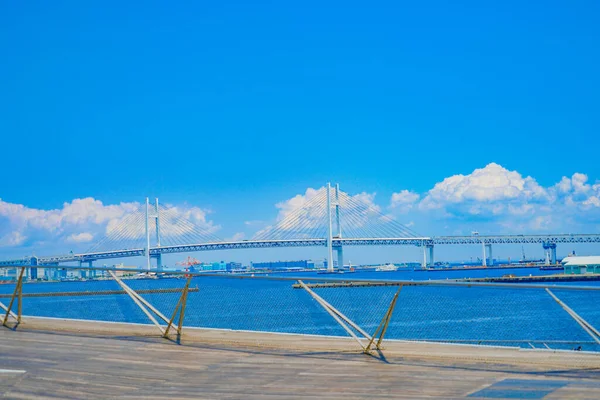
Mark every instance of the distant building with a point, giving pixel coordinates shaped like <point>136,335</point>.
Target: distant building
<point>232,266</point>
<point>581,265</point>
<point>219,266</point>
<point>282,265</point>
<point>207,267</point>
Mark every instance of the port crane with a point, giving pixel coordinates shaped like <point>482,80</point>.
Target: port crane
<point>188,263</point>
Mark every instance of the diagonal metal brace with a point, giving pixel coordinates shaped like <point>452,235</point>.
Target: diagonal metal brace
<point>338,316</point>
<point>382,328</point>
<point>181,308</point>
<point>17,295</point>
<point>593,332</point>
<point>12,314</point>
<point>141,302</point>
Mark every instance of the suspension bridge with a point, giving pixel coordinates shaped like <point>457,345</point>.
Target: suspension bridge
<point>330,218</point>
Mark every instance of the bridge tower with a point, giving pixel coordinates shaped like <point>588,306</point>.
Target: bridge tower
<point>156,216</point>
<point>484,258</point>
<point>552,247</point>
<point>424,262</point>
<point>488,248</point>
<point>429,248</point>
<point>33,272</point>
<point>340,251</point>
<point>427,251</point>
<point>329,233</point>
<point>159,255</point>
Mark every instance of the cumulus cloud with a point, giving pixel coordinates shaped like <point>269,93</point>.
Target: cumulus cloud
<point>296,215</point>
<point>591,202</point>
<point>579,183</point>
<point>238,236</point>
<point>296,203</point>
<point>404,201</point>
<point>78,212</point>
<point>80,237</point>
<point>21,224</point>
<point>508,201</point>
<point>254,223</point>
<point>84,220</point>
<point>305,216</point>
<point>14,238</point>
<point>564,186</point>
<point>490,184</point>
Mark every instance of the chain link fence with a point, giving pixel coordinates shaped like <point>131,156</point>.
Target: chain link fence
<point>563,317</point>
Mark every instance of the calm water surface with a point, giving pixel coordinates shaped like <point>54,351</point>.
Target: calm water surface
<point>480,315</point>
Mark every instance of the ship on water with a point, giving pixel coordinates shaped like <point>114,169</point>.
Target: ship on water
<point>387,267</point>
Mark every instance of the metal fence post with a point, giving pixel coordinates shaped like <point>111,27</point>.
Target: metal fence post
<point>181,308</point>
<point>383,324</point>
<point>18,294</point>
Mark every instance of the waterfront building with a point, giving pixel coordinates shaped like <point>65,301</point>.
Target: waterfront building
<point>219,266</point>
<point>575,265</point>
<point>232,266</point>
<point>281,265</point>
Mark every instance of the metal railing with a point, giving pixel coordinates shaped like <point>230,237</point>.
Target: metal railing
<point>545,316</point>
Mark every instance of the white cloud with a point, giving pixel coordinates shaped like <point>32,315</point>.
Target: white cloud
<point>254,223</point>
<point>541,223</point>
<point>296,203</point>
<point>576,193</point>
<point>505,201</point>
<point>522,209</point>
<point>564,186</point>
<point>489,184</point>
<point>11,239</point>
<point>591,201</point>
<point>238,236</point>
<point>297,216</point>
<point>367,200</point>
<point>83,220</point>
<point>404,201</point>
<point>78,212</point>
<point>82,237</point>
<point>305,215</point>
<point>578,181</point>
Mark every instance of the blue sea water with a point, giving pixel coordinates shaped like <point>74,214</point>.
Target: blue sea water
<point>410,274</point>
<point>504,316</point>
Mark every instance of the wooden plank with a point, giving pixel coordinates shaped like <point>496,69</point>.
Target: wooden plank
<point>77,366</point>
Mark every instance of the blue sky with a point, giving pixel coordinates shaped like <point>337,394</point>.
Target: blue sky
<point>237,106</point>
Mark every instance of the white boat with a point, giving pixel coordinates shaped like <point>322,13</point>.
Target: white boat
<point>386,267</point>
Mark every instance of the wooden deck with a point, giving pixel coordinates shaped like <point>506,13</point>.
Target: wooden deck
<point>46,358</point>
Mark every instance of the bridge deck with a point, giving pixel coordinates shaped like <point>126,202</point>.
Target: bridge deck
<point>127,361</point>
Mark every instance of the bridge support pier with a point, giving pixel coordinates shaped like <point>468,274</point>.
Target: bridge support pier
<point>488,248</point>
<point>33,271</point>
<point>552,247</point>
<point>429,249</point>
<point>340,257</point>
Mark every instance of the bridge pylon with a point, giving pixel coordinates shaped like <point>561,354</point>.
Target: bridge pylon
<point>488,248</point>
<point>340,251</point>
<point>338,229</point>
<point>152,214</point>
<point>552,247</point>
<point>329,231</point>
